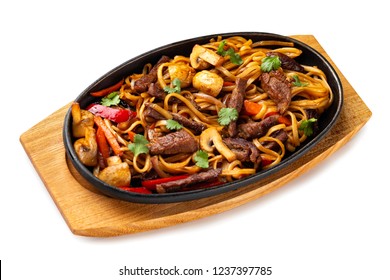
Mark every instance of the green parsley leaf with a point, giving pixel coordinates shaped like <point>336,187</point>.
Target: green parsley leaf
<point>297,82</point>
<point>235,58</point>
<point>221,48</point>
<point>202,159</point>
<point>173,125</point>
<point>176,86</point>
<point>270,63</point>
<point>226,115</point>
<point>111,99</point>
<point>307,126</point>
<point>139,145</point>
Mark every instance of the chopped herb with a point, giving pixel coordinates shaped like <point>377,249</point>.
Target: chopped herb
<point>221,48</point>
<point>226,115</point>
<point>297,82</point>
<point>307,126</point>
<point>202,159</point>
<point>270,63</point>
<point>235,58</point>
<point>176,86</point>
<point>111,99</point>
<point>139,145</point>
<point>173,125</point>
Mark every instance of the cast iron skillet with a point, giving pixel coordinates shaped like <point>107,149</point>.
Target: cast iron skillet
<point>135,65</point>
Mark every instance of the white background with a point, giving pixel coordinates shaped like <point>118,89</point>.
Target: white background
<point>330,223</point>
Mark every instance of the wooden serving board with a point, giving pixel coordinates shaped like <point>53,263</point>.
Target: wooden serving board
<point>90,213</point>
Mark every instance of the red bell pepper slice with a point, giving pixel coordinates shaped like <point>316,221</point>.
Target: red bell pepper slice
<point>113,114</point>
<point>151,184</point>
<point>108,90</point>
<point>265,162</point>
<point>136,190</point>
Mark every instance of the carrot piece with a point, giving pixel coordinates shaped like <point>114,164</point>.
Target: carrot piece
<point>109,136</point>
<point>104,149</point>
<point>228,83</point>
<point>284,120</point>
<point>270,114</point>
<point>131,135</point>
<point>105,91</point>
<point>252,108</point>
<point>281,119</point>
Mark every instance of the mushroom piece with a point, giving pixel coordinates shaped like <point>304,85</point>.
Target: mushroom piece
<point>208,82</point>
<point>86,147</point>
<point>117,173</point>
<point>201,58</point>
<point>183,72</point>
<point>81,120</point>
<point>211,138</point>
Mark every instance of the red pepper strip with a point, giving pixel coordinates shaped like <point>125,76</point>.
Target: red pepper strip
<point>151,184</point>
<point>265,162</point>
<point>101,140</point>
<point>136,190</point>
<point>108,90</point>
<point>109,136</point>
<point>113,114</point>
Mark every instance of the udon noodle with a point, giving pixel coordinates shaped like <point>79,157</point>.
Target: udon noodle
<point>229,110</point>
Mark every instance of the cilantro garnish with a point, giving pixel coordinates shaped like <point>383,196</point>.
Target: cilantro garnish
<point>235,58</point>
<point>176,86</point>
<point>221,48</point>
<point>111,99</point>
<point>202,159</point>
<point>270,63</point>
<point>307,126</point>
<point>173,125</point>
<point>226,115</point>
<point>139,145</point>
<point>297,82</point>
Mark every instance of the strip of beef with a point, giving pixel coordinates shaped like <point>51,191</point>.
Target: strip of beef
<point>149,112</point>
<point>201,177</point>
<point>287,62</point>
<point>236,101</point>
<point>142,84</point>
<point>279,134</point>
<point>173,143</point>
<point>156,91</point>
<point>278,88</point>
<point>252,130</point>
<point>193,125</point>
<point>245,151</point>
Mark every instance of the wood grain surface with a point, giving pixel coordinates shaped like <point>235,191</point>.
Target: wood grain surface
<point>90,213</point>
